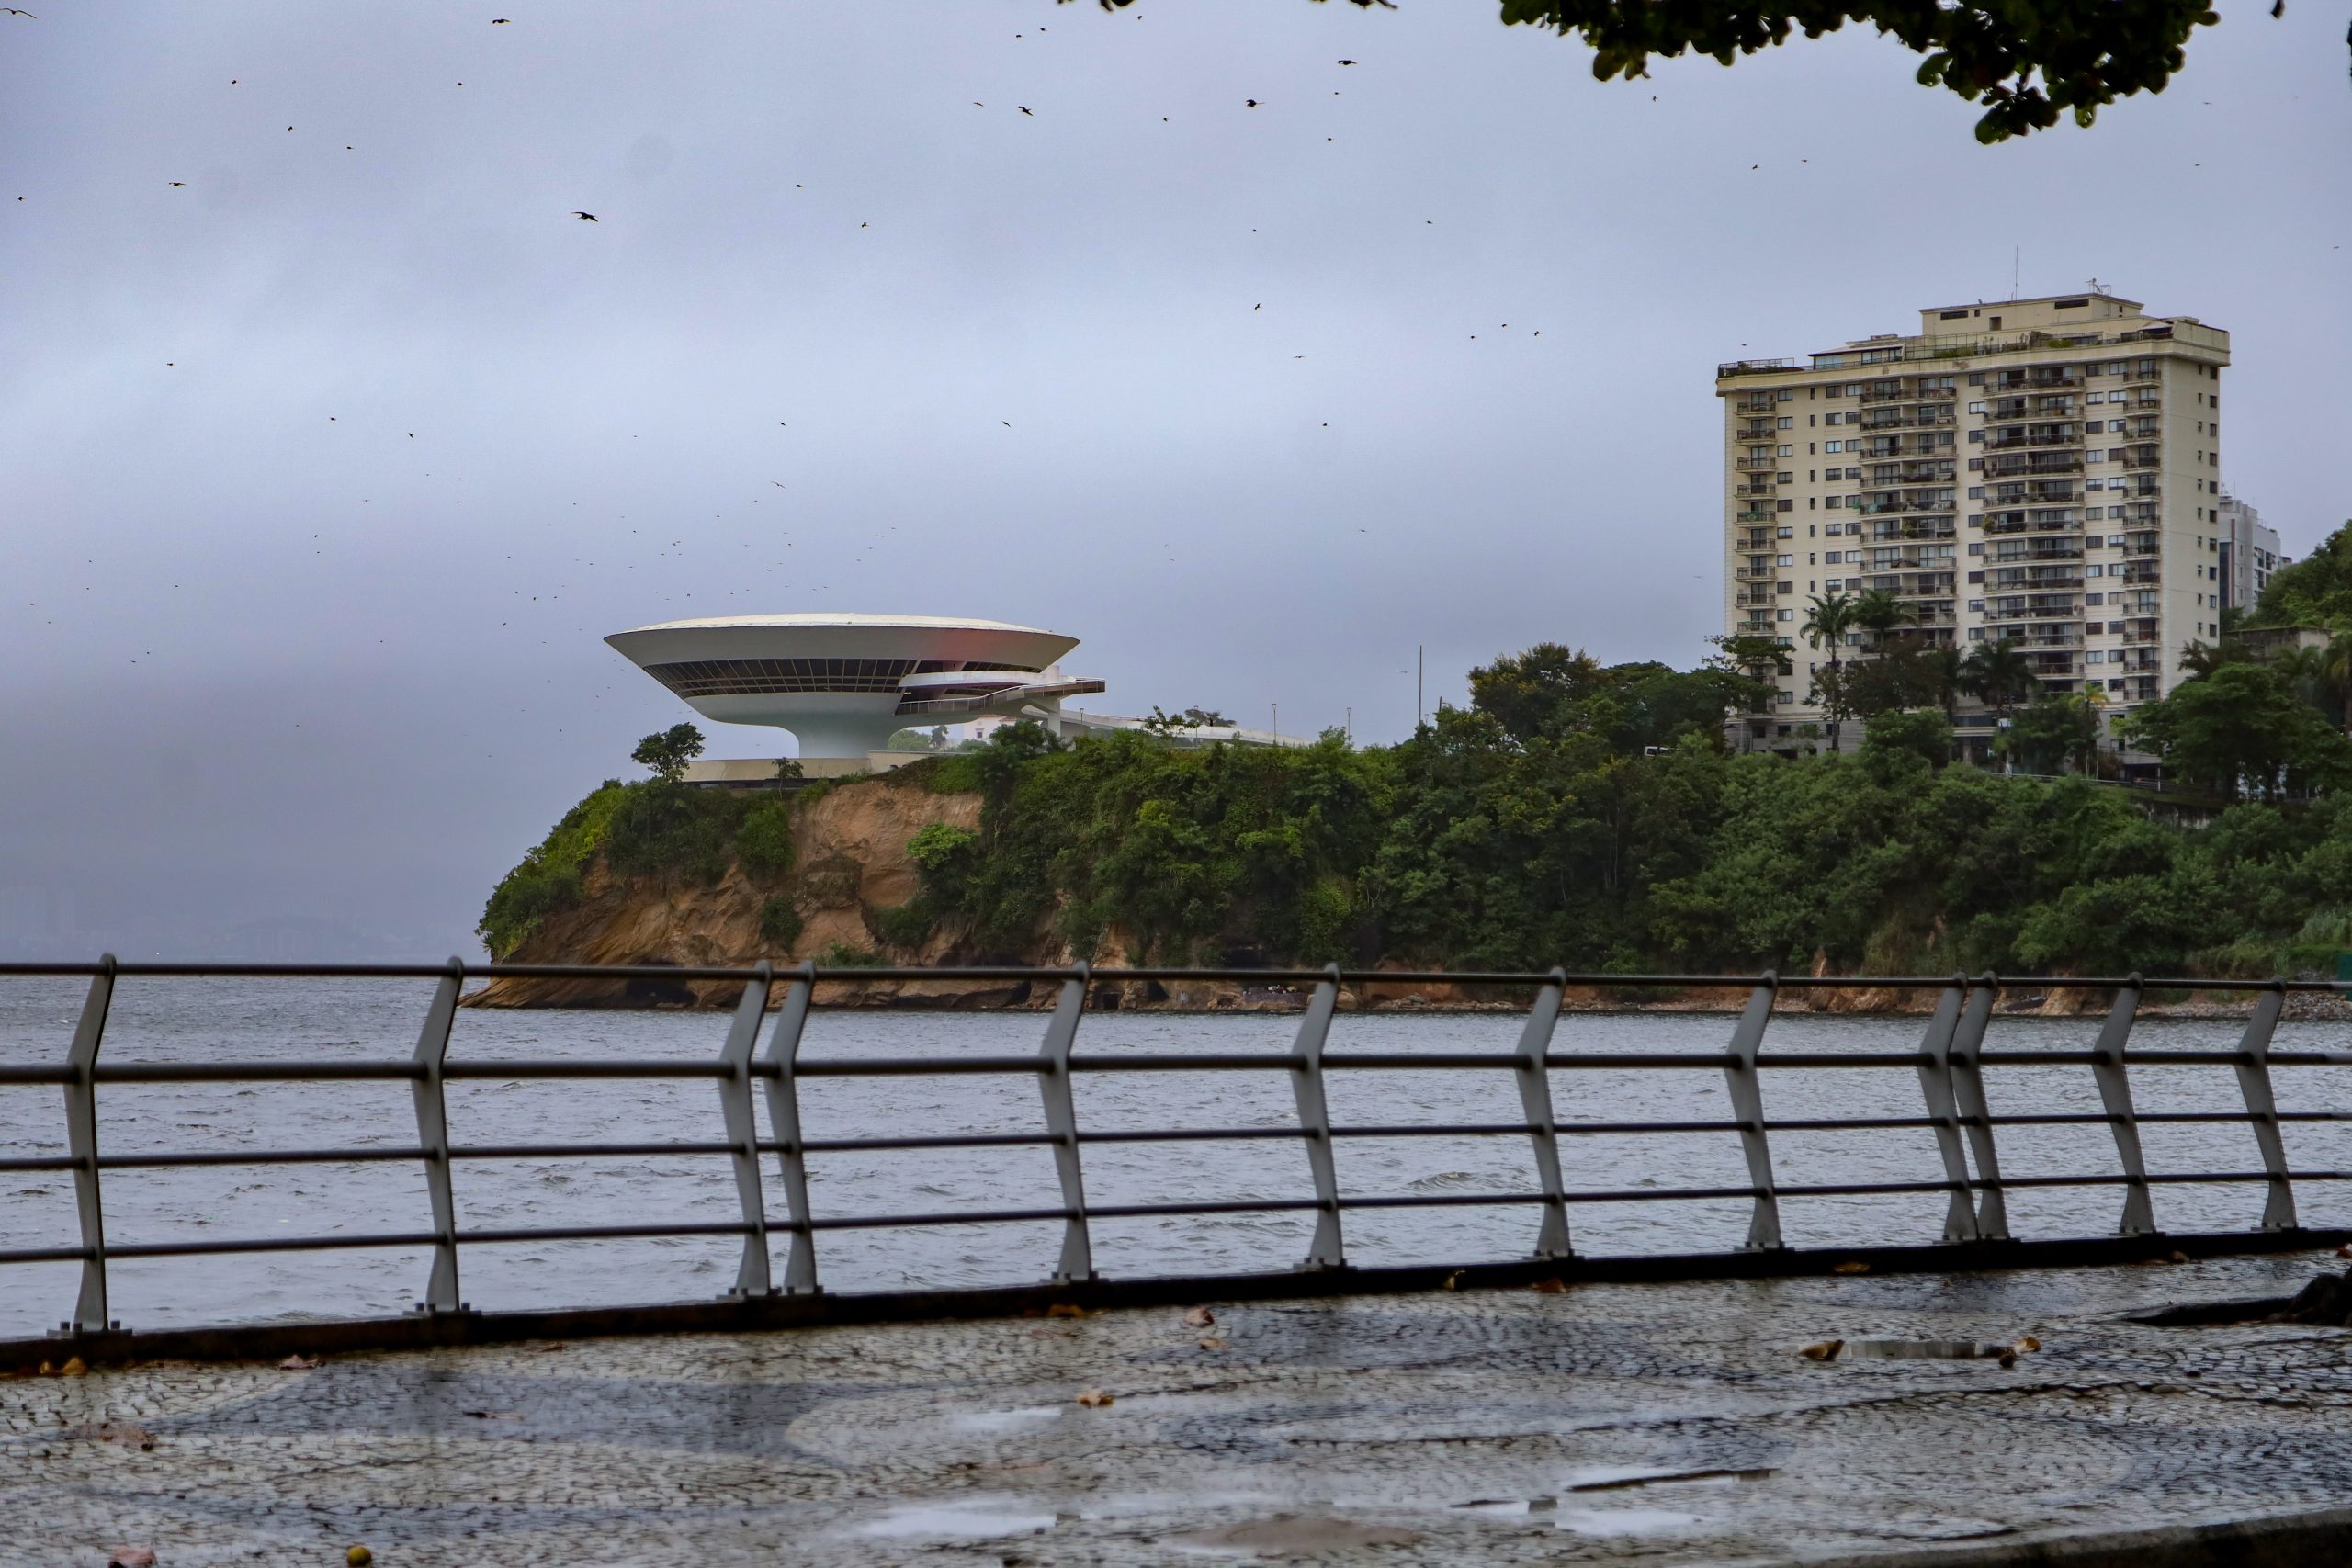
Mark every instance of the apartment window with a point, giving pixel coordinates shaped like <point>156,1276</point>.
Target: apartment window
<point>1976,547</point>
<point>1853,388</point>
<point>1836,585</point>
<point>1789,531</point>
<point>1833,530</point>
<point>1788,504</point>
<point>2094,569</point>
<point>2095,455</point>
<point>1784,615</point>
<point>1833,446</point>
<point>2115,541</point>
<point>1788,394</point>
<point>2115,685</point>
<point>1785,451</point>
<point>2115,368</point>
<point>1832,557</point>
<point>2094,484</point>
<point>2114,515</point>
<point>2091,627</point>
<point>1976,606</point>
<point>1785,422</point>
<point>2093,657</point>
<point>1976,408</point>
<point>2114,427</point>
<point>1975,492</point>
<point>1834,419</point>
<point>1977,378</point>
<point>1785,560</point>
<point>2097,397</point>
<point>1976,634</point>
<point>1976,435</point>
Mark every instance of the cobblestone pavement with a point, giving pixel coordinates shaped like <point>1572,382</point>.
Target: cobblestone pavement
<point>1659,1424</point>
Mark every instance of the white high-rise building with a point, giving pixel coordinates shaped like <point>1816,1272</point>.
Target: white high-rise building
<point>2045,471</point>
<point>2249,554</point>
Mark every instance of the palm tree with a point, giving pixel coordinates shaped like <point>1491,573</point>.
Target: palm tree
<point>1878,612</point>
<point>1826,623</point>
<point>1949,671</point>
<point>1998,675</point>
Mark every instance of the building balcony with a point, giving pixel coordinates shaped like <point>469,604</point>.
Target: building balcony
<point>2043,406</point>
<point>2055,551</point>
<point>1751,465</point>
<point>2146,399</point>
<point>1758,430</point>
<point>2018,438</point>
<point>1915,528</point>
<point>1899,418</point>
<point>1756,404</point>
<point>2038,377</point>
<point>1913,473</point>
<point>2034,463</point>
<point>2138,376</point>
<point>1753,515</point>
<point>2143,456</point>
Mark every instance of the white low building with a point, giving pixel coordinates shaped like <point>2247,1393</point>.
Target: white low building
<point>843,685</point>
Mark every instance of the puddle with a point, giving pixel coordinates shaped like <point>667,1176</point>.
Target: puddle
<point>1624,1522</point>
<point>1926,1350</point>
<point>1019,1420</point>
<point>978,1519</point>
<point>1616,1478</point>
<point>1286,1534</point>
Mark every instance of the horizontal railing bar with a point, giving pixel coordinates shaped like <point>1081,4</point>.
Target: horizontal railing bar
<point>42,1162</point>
<point>933,1141</point>
<point>254,1072</point>
<point>30,1073</point>
<point>263,1244</point>
<point>44,1255</point>
<point>1438,1129</point>
<point>604,1233</point>
<point>581,1151</point>
<point>683,1067</point>
<point>167,970</point>
<point>1191,1134</point>
<point>258,1156</point>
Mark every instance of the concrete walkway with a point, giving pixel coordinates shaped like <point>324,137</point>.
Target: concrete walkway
<point>1663,1424</point>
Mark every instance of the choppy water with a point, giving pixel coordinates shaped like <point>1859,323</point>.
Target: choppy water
<point>184,1020</point>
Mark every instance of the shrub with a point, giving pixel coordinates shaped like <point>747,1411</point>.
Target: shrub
<point>842,955</point>
<point>549,879</point>
<point>780,922</point>
<point>908,925</point>
<point>671,829</point>
<point>763,841</point>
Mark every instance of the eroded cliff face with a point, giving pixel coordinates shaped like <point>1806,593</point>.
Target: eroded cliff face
<point>851,858</point>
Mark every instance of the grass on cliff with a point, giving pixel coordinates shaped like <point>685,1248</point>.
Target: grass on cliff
<point>649,830</point>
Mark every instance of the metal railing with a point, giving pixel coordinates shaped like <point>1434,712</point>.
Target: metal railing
<point>760,1061</point>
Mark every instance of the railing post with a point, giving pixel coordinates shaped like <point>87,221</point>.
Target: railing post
<point>1975,1111</point>
<point>1935,1087</point>
<point>2115,1094</point>
<point>1535,1104</point>
<point>432,1137</point>
<point>1061,1125</point>
<point>784,1117</point>
<point>1747,1111</point>
<point>743,1132</point>
<point>2262,1109</point>
<point>1314,1117</point>
<point>82,1143</point>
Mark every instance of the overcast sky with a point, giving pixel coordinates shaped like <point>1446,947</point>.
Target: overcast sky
<point>324,469</point>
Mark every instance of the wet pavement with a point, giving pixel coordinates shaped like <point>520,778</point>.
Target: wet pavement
<point>1659,1424</point>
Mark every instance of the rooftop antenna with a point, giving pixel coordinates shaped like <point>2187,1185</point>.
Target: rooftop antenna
<point>2014,251</point>
<point>2096,286</point>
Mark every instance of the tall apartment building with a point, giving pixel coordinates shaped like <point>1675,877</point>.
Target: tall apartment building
<point>2047,471</point>
<point>2249,554</point>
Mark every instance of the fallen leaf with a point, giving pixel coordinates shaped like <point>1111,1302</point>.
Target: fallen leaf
<point>2181,1257</point>
<point>1093,1398</point>
<point>1067,1309</point>
<point>123,1432</point>
<point>1214,1344</point>
<point>1453,1280</point>
<point>1852,1268</point>
<point>298,1363</point>
<point>1198,1317</point>
<point>2025,1342</point>
<point>73,1368</point>
<point>1552,1287</point>
<point>1825,1351</point>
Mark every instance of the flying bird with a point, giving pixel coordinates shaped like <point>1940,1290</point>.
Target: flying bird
<point>498,21</point>
<point>179,182</point>
<point>12,11</point>
<point>1346,62</point>
<point>1026,110</point>
<point>585,217</point>
<point>1251,103</point>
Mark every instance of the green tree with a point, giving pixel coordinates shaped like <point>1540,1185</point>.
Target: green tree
<point>1998,675</point>
<point>2242,726</point>
<point>2028,62</point>
<point>1826,623</point>
<point>668,752</point>
<point>1922,733</point>
<point>2054,734</point>
<point>1879,612</point>
<point>2313,591</point>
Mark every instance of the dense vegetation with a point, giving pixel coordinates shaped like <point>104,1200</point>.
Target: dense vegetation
<point>1593,816</point>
